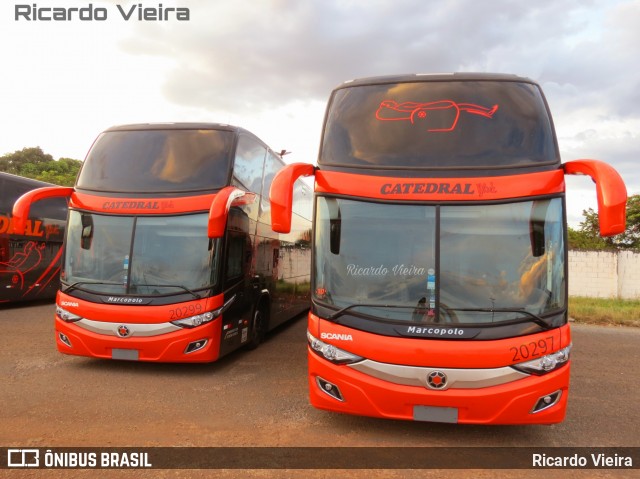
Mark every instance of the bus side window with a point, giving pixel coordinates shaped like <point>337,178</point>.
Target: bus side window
<point>272,165</point>
<point>248,164</point>
<point>235,256</point>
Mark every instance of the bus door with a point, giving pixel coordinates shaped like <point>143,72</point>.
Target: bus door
<point>238,291</point>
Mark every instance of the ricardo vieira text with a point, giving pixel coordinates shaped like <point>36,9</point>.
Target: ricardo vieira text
<point>137,11</point>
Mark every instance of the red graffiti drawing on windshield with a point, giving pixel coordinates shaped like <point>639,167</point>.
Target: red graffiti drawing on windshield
<point>440,115</point>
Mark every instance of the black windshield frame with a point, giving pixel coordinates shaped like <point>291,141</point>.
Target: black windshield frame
<point>367,126</point>
<point>159,161</point>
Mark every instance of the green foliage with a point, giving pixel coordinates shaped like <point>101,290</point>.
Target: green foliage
<point>34,163</point>
<point>587,236</point>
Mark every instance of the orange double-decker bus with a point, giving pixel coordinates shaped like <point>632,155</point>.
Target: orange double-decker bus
<point>439,268</point>
<point>169,254</point>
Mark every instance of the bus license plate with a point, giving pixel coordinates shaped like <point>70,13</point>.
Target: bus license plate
<point>435,414</point>
<point>126,354</point>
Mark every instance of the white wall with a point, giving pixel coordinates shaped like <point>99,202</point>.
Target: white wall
<point>604,274</point>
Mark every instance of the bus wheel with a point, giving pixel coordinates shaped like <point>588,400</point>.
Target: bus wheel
<point>258,328</point>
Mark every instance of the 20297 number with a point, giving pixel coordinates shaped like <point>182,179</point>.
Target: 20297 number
<point>533,349</point>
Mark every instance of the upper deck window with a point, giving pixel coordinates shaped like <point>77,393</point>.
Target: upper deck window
<point>439,124</point>
<point>163,160</point>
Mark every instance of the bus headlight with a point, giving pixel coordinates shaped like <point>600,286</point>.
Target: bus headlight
<point>194,321</point>
<point>330,352</point>
<point>67,316</point>
<point>545,364</point>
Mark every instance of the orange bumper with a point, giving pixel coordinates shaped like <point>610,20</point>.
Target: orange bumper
<point>169,347</point>
<point>510,403</point>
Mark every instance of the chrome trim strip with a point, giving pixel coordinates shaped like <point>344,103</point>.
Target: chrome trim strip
<point>136,329</point>
<point>456,378</point>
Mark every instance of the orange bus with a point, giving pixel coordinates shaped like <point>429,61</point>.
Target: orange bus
<point>169,255</point>
<point>30,262</point>
<point>439,264</point>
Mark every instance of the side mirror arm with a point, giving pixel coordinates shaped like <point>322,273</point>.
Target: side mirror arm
<point>611,192</point>
<point>281,194</point>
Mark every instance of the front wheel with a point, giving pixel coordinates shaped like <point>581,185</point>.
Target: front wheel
<point>258,328</point>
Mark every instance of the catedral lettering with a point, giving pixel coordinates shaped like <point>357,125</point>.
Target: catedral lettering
<point>434,179</point>
<point>178,248</point>
<point>427,188</point>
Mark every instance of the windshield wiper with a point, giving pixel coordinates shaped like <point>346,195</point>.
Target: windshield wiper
<point>531,317</point>
<point>179,286</point>
<point>342,311</point>
<point>77,284</point>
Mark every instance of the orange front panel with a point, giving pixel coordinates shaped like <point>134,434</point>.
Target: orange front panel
<point>166,347</point>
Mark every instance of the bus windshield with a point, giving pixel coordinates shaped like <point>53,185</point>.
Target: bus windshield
<point>439,125</point>
<point>470,264</point>
<point>169,255</point>
<point>155,161</point>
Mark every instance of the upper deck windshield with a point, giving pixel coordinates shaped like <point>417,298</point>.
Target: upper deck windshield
<point>439,125</point>
<point>440,264</point>
<point>156,161</point>
<point>170,255</point>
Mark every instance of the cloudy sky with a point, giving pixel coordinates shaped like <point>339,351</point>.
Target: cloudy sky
<point>269,66</point>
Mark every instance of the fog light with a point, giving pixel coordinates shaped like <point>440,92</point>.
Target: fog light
<point>64,339</point>
<point>196,346</point>
<point>545,402</point>
<point>329,388</point>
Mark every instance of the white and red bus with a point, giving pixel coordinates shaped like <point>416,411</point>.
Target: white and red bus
<point>30,261</point>
<point>439,269</point>
<point>169,255</point>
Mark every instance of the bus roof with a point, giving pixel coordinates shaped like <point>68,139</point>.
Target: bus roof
<point>23,181</point>
<point>177,126</point>
<point>427,77</point>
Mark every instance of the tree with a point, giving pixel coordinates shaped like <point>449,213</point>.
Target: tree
<point>34,163</point>
<point>588,234</point>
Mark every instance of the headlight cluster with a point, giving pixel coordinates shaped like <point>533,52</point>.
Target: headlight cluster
<point>67,316</point>
<point>330,352</point>
<point>195,321</point>
<point>545,364</point>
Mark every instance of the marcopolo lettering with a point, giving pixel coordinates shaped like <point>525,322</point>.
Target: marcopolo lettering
<point>131,205</point>
<point>434,332</point>
<point>427,188</point>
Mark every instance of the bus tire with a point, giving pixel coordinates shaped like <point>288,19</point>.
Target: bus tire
<point>259,326</point>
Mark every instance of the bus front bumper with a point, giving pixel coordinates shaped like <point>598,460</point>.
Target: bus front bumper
<point>201,344</point>
<point>340,388</point>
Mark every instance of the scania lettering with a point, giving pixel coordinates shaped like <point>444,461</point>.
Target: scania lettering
<point>30,259</point>
<point>439,247</point>
<point>168,254</point>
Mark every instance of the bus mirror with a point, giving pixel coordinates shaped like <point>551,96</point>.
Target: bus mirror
<point>611,192</point>
<point>23,204</point>
<point>281,194</point>
<point>335,225</point>
<point>87,231</point>
<point>536,227</point>
<point>220,206</point>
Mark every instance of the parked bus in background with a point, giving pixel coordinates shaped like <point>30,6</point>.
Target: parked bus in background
<point>439,274</point>
<point>30,262</point>
<point>169,254</point>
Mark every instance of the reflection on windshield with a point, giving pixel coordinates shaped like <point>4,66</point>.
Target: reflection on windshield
<point>383,257</point>
<point>169,254</point>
